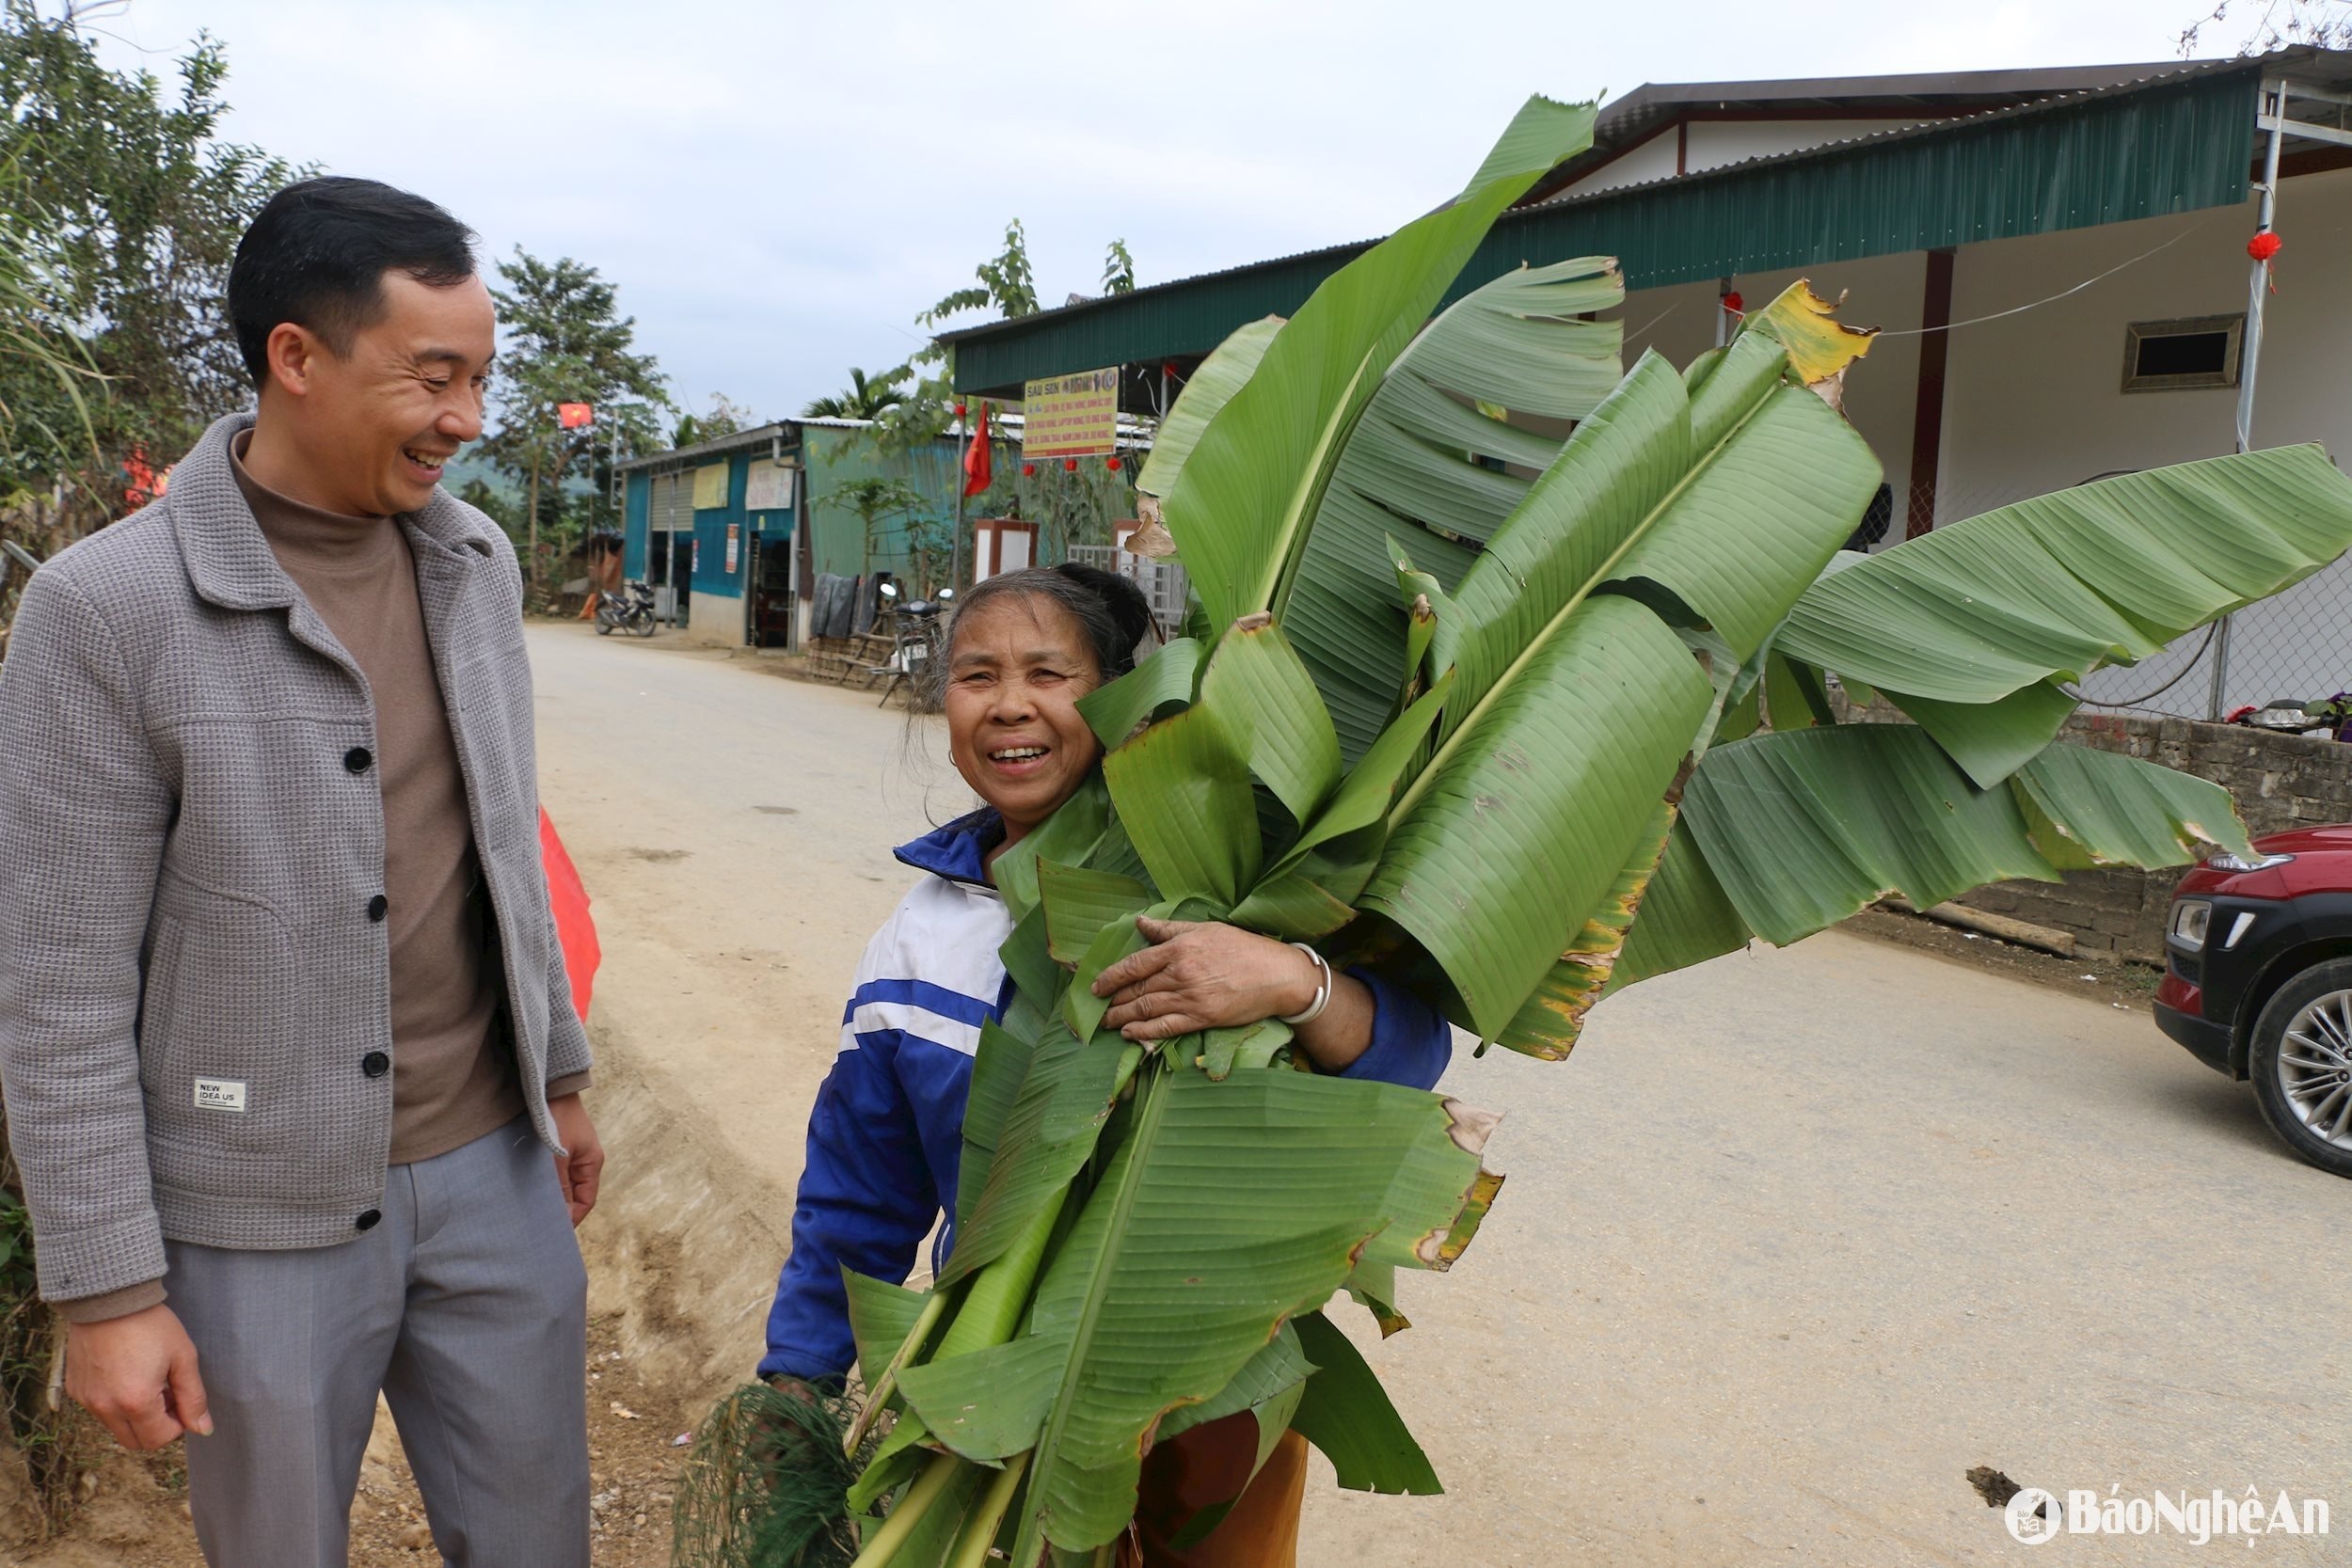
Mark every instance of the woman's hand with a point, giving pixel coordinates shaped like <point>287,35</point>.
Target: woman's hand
<point>1200,974</point>
<point>1204,976</point>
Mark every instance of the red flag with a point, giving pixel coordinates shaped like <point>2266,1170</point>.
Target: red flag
<point>977,473</point>
<point>573,416</point>
<point>575,928</point>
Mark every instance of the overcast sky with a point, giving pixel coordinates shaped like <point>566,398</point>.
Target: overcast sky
<point>779,188</point>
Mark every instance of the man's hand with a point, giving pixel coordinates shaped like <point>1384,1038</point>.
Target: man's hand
<point>576,1172</point>
<point>136,1374</point>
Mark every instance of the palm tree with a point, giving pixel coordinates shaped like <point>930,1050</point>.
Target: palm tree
<point>1519,741</point>
<point>867,398</point>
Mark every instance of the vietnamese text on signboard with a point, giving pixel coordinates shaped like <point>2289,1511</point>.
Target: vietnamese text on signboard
<point>1071,416</point>
<point>769,488</point>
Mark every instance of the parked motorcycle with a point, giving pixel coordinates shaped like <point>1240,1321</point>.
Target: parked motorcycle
<point>630,609</point>
<point>2297,715</point>
<point>917,639</point>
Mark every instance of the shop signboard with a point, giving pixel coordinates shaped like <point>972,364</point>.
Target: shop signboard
<point>711,486</point>
<point>1070,416</point>
<point>768,487</point>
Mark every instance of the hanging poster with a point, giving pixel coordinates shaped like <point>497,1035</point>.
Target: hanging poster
<point>770,487</point>
<point>735,533</point>
<point>1070,416</point>
<point>711,486</point>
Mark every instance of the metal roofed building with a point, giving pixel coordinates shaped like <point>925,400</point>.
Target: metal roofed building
<point>2058,259</point>
<point>733,531</point>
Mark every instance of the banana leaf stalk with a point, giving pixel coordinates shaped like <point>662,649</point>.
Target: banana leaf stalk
<point>1517,739</point>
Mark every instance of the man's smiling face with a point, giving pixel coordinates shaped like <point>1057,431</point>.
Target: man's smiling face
<point>386,417</point>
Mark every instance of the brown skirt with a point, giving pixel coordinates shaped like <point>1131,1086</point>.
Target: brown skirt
<point>1202,1467</point>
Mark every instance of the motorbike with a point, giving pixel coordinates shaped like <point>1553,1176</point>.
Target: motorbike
<point>630,611</point>
<point>917,627</point>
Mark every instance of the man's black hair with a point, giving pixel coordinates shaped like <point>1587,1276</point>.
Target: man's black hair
<point>316,255</point>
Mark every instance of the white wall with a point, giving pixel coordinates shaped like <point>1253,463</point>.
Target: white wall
<point>1716,142</point>
<point>2034,403</point>
<point>1645,161</point>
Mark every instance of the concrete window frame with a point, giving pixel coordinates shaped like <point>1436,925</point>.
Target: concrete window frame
<point>2231,328</point>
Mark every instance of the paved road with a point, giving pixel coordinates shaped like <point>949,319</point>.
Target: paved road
<point>1795,1240</point>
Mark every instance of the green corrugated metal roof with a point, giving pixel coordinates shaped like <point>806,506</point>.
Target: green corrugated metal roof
<point>2172,144</point>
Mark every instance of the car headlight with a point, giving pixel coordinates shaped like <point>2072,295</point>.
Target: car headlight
<point>2191,917</point>
<point>2228,862</point>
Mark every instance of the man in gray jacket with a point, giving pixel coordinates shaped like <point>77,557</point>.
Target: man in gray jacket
<point>284,1029</point>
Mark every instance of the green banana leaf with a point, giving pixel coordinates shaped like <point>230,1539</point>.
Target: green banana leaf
<point>1213,385</point>
<point>1240,507</point>
<point>1429,464</point>
<point>1181,1269</point>
<point>1785,834</point>
<point>1572,707</point>
<point>1965,626</point>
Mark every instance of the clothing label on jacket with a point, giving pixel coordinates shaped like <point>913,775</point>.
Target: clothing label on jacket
<point>219,1093</point>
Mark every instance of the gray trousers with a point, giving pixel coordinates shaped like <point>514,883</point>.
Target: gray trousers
<point>467,1306</point>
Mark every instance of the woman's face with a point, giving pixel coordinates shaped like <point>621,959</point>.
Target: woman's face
<point>1015,674</point>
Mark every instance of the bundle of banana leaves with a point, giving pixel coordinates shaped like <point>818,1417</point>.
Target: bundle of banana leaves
<point>1464,723</point>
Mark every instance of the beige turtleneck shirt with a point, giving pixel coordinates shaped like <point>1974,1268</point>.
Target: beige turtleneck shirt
<point>454,1075</point>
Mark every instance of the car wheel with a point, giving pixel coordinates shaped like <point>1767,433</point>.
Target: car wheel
<point>2301,1064</point>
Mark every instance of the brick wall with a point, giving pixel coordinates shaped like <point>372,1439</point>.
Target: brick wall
<point>2279,782</point>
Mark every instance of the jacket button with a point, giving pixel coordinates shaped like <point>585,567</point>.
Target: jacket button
<point>375,1064</point>
<point>357,758</point>
<point>377,906</point>
<point>369,1220</point>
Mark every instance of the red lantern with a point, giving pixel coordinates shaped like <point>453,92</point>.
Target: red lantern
<point>2263,247</point>
<point>1111,463</point>
<point>959,411</point>
<point>1028,470</point>
<point>1070,465</point>
<point>1733,303</point>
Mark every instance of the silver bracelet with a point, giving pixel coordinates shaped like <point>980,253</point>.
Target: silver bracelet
<point>1322,988</point>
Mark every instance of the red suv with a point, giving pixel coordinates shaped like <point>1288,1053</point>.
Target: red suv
<point>2258,982</point>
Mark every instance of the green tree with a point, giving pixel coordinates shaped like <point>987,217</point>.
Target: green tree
<point>125,209</point>
<point>564,342</point>
<point>725,418</point>
<point>1119,269</point>
<point>875,501</point>
<point>865,397</point>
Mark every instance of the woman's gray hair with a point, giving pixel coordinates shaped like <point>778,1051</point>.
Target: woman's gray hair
<point>1110,608</point>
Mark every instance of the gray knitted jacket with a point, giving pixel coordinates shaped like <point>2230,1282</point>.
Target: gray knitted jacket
<point>192,968</point>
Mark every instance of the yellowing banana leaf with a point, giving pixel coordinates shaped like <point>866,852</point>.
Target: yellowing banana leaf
<point>1523,820</point>
<point>1819,346</point>
<point>1240,507</point>
<point>1548,1023</point>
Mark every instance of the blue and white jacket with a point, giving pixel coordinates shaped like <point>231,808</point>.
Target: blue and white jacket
<point>887,1135</point>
